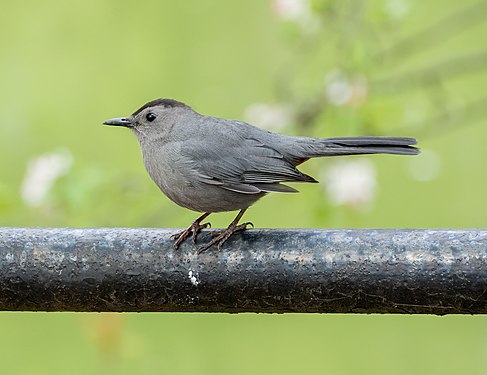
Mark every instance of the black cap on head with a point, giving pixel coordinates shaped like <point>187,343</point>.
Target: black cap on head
<point>168,103</point>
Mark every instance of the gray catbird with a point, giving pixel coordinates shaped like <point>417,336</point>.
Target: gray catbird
<point>210,164</point>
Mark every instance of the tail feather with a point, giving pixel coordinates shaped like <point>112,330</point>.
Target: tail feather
<point>360,145</point>
<point>355,141</point>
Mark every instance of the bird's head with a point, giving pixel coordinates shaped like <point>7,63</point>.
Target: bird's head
<point>154,119</point>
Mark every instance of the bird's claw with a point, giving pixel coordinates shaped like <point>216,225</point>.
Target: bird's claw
<point>239,227</point>
<point>192,230</point>
<point>201,226</point>
<point>223,236</point>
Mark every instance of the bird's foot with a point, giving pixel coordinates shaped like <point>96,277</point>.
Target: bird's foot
<point>192,230</point>
<point>223,236</point>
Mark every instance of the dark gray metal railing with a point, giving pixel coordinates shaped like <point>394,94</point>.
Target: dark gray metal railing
<point>433,271</point>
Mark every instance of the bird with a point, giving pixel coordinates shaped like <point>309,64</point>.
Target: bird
<point>209,164</point>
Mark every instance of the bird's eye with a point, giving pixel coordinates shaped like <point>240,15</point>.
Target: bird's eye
<point>150,116</point>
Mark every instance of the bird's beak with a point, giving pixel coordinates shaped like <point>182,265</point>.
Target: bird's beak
<point>120,121</point>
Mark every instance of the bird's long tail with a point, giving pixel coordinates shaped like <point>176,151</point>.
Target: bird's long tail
<point>315,147</point>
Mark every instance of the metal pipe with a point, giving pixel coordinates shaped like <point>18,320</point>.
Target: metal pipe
<point>413,271</point>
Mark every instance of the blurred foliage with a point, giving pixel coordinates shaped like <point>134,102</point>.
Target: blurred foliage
<point>351,67</point>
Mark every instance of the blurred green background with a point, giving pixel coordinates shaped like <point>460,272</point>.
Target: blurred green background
<point>317,67</point>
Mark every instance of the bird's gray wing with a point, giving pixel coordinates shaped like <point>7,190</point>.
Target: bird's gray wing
<point>244,164</point>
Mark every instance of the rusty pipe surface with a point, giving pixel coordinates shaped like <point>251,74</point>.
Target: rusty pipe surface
<point>417,271</point>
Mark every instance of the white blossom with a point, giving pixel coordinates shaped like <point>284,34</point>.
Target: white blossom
<point>297,11</point>
<point>291,9</point>
<point>42,172</point>
<point>351,183</point>
<point>267,116</point>
<point>340,89</point>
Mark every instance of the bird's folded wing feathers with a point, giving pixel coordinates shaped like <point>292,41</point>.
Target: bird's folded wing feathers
<point>247,167</point>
